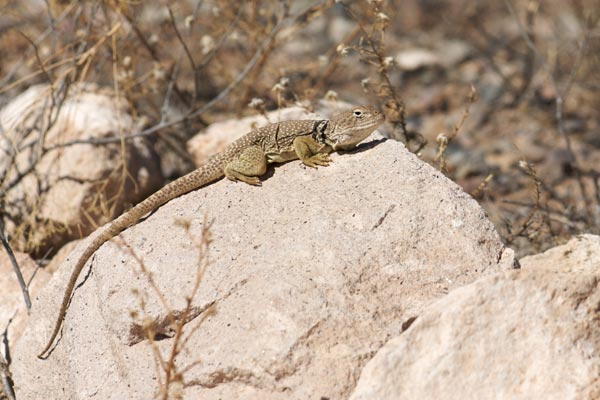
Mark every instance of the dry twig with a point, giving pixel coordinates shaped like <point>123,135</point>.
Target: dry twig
<point>444,140</point>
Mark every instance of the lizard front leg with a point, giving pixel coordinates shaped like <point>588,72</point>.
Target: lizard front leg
<point>248,166</point>
<point>310,152</point>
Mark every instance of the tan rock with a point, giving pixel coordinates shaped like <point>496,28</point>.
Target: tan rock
<point>309,275</point>
<point>70,190</point>
<point>580,255</point>
<point>12,303</point>
<point>416,58</point>
<point>526,334</point>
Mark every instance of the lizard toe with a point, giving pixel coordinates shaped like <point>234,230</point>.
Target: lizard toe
<point>253,180</point>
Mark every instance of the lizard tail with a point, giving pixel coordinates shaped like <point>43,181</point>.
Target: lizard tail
<point>210,172</point>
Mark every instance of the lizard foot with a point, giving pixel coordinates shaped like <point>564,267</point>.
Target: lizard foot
<point>317,159</point>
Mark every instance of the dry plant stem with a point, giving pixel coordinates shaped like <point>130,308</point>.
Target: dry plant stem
<point>596,179</point>
<point>195,14</point>
<point>148,274</point>
<point>5,375</point>
<point>444,140</point>
<point>166,124</point>
<point>6,378</point>
<point>482,185</point>
<point>197,80</point>
<point>19,65</point>
<point>560,96</point>
<point>45,121</point>
<point>529,62</point>
<point>82,57</point>
<point>13,261</point>
<point>530,171</point>
<point>203,260</point>
<point>152,51</point>
<point>123,150</point>
<point>459,125</point>
<point>555,215</point>
<point>168,366</point>
<point>180,39</point>
<point>384,74</point>
<point>217,99</point>
<point>210,55</point>
<point>176,68</point>
<point>150,334</point>
<point>39,60</point>
<point>333,64</point>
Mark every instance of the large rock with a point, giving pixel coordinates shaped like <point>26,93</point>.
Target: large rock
<point>309,275</point>
<point>527,334</point>
<point>66,192</point>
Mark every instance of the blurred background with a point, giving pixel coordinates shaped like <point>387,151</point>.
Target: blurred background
<point>501,95</point>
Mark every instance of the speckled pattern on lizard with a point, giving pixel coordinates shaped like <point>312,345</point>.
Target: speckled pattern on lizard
<point>246,159</point>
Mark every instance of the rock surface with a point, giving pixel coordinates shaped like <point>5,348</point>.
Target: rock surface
<point>532,333</point>
<point>309,276</point>
<point>69,190</point>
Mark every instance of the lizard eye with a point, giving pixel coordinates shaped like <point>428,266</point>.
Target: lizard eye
<point>358,113</point>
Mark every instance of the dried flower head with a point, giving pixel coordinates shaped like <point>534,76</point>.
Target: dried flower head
<point>331,95</point>
<point>207,43</point>
<point>256,103</point>
<point>343,49</point>
<point>442,139</point>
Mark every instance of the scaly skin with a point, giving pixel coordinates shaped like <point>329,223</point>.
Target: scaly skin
<point>245,160</point>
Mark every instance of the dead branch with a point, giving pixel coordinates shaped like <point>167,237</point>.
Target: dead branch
<point>15,264</point>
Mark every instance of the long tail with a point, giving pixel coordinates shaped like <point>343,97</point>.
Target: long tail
<point>210,172</point>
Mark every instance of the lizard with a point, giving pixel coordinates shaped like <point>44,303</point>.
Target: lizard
<point>245,160</point>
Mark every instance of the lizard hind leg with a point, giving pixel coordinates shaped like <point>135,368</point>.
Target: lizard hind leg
<point>248,166</point>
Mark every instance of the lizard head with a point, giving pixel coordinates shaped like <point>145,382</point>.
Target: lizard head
<point>351,127</point>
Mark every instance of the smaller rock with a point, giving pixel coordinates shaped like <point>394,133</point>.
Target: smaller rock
<point>452,52</point>
<point>579,255</point>
<point>417,58</point>
<point>532,334</point>
<point>68,191</point>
